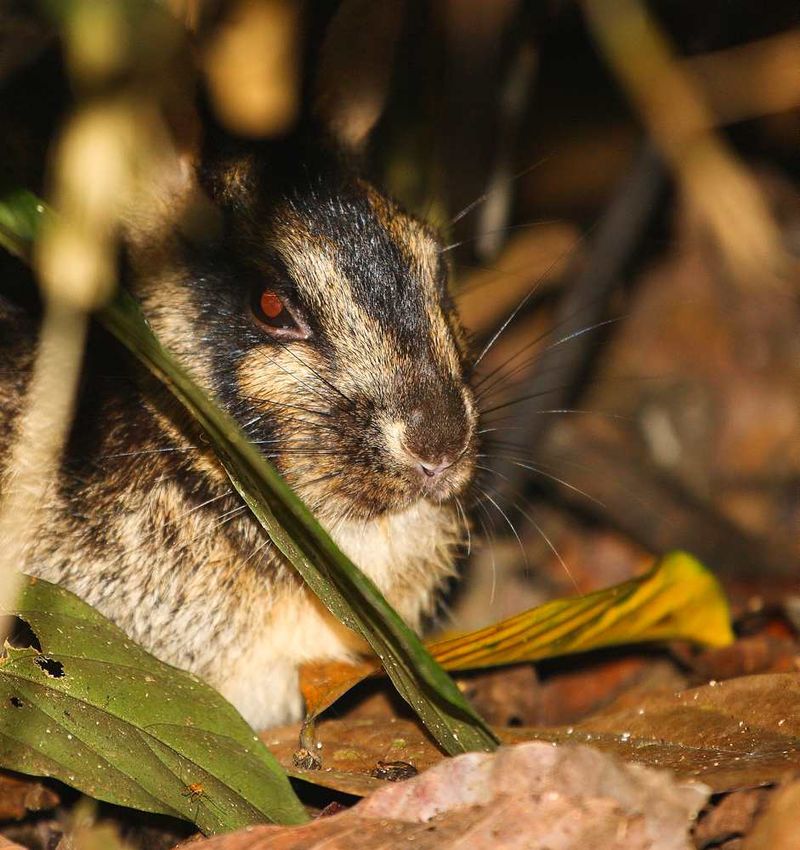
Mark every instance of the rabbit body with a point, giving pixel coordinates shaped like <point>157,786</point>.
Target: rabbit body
<point>316,312</point>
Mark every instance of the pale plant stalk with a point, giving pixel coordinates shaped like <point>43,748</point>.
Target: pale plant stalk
<point>750,80</point>
<point>188,12</point>
<point>75,260</point>
<point>43,427</point>
<point>83,832</point>
<point>74,257</point>
<point>720,189</point>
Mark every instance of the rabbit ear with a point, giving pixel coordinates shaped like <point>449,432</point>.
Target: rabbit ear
<point>355,68</point>
<point>171,194</point>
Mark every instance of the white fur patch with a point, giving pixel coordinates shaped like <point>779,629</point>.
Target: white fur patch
<point>407,555</point>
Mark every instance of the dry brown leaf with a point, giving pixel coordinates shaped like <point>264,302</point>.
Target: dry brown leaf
<point>531,795</point>
<point>323,682</point>
<point>350,750</point>
<point>779,827</point>
<point>731,818</point>
<point>736,734</point>
<point>509,696</point>
<point>761,653</point>
<point>19,795</point>
<point>572,693</point>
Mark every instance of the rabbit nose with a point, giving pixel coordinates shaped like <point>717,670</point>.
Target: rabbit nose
<point>436,438</point>
<point>432,468</point>
<point>438,469</point>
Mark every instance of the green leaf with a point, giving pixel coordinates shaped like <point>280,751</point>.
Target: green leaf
<point>88,706</point>
<point>20,215</point>
<point>340,585</point>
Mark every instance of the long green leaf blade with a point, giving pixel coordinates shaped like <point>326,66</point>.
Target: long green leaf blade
<point>340,585</point>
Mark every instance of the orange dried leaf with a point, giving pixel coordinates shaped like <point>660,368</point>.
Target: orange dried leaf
<point>322,683</point>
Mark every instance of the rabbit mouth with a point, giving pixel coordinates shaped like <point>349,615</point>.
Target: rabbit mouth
<point>342,486</point>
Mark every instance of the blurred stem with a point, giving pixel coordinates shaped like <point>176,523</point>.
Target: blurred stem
<point>43,427</point>
<point>750,80</point>
<point>75,260</point>
<point>718,187</point>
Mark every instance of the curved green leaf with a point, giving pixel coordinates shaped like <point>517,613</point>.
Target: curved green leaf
<point>88,706</point>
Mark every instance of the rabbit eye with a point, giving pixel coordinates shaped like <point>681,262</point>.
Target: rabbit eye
<point>272,308</point>
<point>276,317</point>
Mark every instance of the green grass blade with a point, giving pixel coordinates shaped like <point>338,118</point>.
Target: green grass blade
<point>341,586</point>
